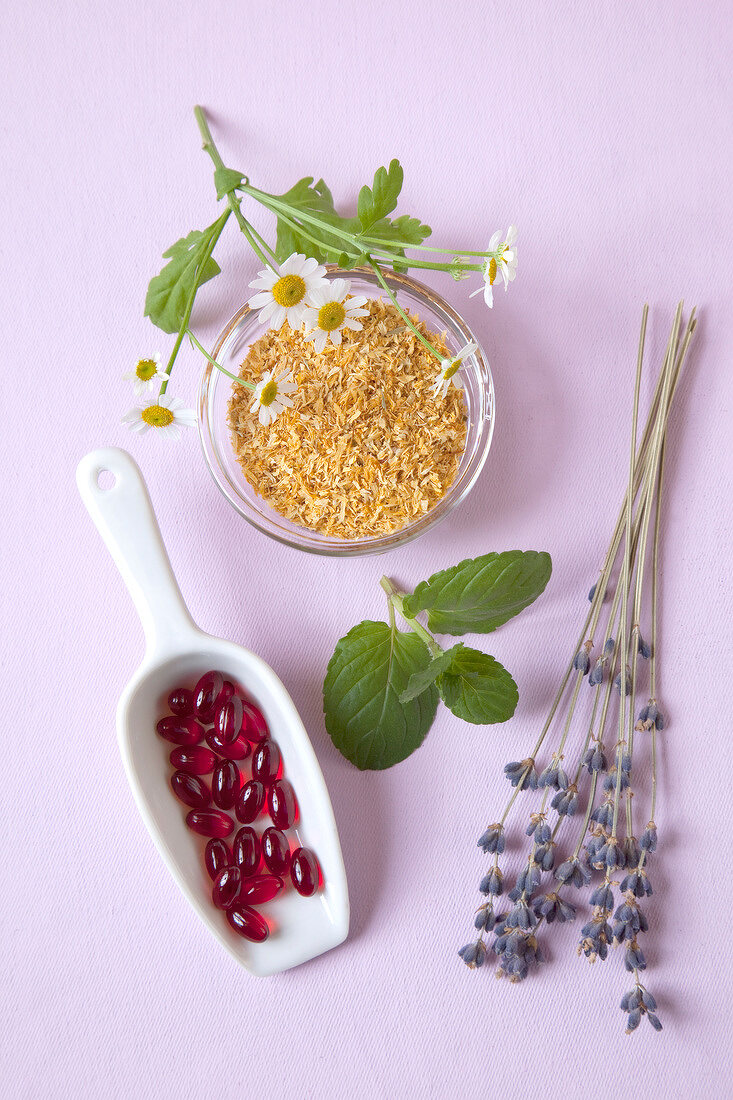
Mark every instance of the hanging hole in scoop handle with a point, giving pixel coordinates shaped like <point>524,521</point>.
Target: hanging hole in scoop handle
<point>116,497</point>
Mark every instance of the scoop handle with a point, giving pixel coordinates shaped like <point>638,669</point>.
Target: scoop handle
<point>125,519</point>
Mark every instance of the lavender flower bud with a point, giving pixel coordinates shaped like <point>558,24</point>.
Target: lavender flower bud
<point>633,1021</point>
<point>545,856</point>
<point>630,1001</point>
<point>634,957</point>
<point>632,851</point>
<point>521,771</point>
<point>627,682</point>
<point>566,802</point>
<point>603,815</point>
<point>648,1001</point>
<point>572,873</point>
<point>645,650</point>
<point>654,1021</point>
<point>536,822</point>
<point>609,648</point>
<point>492,882</point>
<point>648,840</point>
<point>493,840</point>
<point>548,778</point>
<point>596,674</point>
<point>592,593</point>
<point>468,953</point>
<point>581,661</point>
<point>602,896</point>
<point>484,919</point>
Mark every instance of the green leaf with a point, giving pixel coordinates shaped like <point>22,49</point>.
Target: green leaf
<point>188,267</point>
<point>380,199</point>
<point>407,229</point>
<point>225,180</point>
<point>421,681</point>
<point>313,199</point>
<point>477,688</point>
<point>369,669</point>
<point>479,594</point>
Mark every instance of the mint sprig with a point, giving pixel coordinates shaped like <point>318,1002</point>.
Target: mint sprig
<point>382,686</point>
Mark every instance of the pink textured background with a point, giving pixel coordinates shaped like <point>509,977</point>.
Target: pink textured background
<point>604,132</point>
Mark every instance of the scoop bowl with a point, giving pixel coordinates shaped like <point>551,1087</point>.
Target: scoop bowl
<point>178,653</point>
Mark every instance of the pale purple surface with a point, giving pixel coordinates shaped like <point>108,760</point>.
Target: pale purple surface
<point>606,136</point>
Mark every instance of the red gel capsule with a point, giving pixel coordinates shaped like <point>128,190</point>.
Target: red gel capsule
<point>195,760</point>
<point>228,720</point>
<point>251,801</point>
<point>226,887</point>
<point>248,923</point>
<point>181,731</point>
<point>255,726</point>
<point>216,857</point>
<point>227,691</point>
<point>266,762</point>
<point>259,889</point>
<point>305,872</point>
<point>191,790</point>
<point>282,805</point>
<point>210,823</point>
<point>225,784</point>
<point>276,851</point>
<point>246,851</point>
<point>207,695</point>
<point>237,750</point>
<point>180,702</point>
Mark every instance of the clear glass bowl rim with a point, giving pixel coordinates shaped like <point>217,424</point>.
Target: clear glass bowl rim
<point>290,534</point>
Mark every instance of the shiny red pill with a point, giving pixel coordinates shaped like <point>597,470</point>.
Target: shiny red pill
<point>266,762</point>
<point>217,856</point>
<point>246,850</point>
<point>251,801</point>
<point>255,726</point>
<point>259,889</point>
<point>225,784</point>
<point>180,702</point>
<point>248,923</point>
<point>194,760</point>
<point>282,805</point>
<point>237,750</point>
<point>227,885</point>
<point>227,691</point>
<point>276,851</point>
<point>191,790</point>
<point>207,695</point>
<point>305,872</point>
<point>181,731</point>
<point>212,823</point>
<point>228,720</point>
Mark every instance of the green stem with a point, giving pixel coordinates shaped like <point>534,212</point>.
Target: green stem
<point>233,199</point>
<point>410,324</point>
<point>204,352</point>
<point>396,601</point>
<point>189,304</point>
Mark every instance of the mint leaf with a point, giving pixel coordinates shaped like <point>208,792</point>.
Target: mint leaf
<point>479,594</point>
<point>225,180</point>
<point>420,681</point>
<point>189,266</point>
<point>380,199</point>
<point>369,669</point>
<point>477,688</point>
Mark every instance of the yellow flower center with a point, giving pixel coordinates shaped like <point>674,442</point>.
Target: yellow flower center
<point>289,290</point>
<point>331,316</point>
<point>492,271</point>
<point>454,367</point>
<point>157,416</point>
<point>269,393</point>
<point>145,369</point>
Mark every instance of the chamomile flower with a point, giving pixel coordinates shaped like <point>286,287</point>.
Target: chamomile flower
<point>167,415</point>
<point>272,395</point>
<point>504,264</point>
<point>147,375</point>
<point>283,296</point>
<point>330,312</point>
<point>449,369</point>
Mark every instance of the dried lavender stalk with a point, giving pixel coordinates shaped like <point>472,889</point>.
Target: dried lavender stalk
<point>516,943</point>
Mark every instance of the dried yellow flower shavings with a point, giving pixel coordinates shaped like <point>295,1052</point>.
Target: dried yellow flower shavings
<point>367,446</point>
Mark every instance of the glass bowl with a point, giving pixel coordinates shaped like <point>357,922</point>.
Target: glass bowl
<point>215,390</point>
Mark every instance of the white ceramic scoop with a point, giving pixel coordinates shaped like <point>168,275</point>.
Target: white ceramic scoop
<point>177,654</point>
